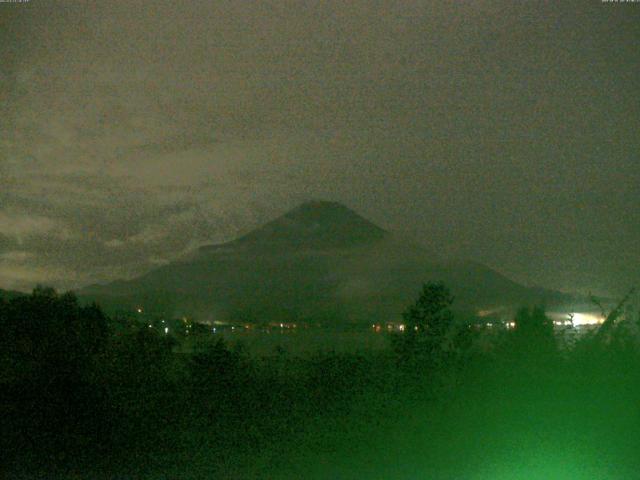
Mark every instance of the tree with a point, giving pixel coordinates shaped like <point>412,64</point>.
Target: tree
<point>53,334</point>
<point>533,334</point>
<point>49,347</point>
<point>533,323</point>
<point>428,323</point>
<point>431,313</point>
<point>611,317</point>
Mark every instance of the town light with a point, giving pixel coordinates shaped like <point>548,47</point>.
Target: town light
<point>586,319</point>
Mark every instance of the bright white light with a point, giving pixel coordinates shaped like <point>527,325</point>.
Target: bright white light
<point>139,310</point>
<point>577,319</point>
<point>586,319</point>
<point>166,330</point>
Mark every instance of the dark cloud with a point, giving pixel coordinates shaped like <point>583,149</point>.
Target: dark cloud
<point>500,131</point>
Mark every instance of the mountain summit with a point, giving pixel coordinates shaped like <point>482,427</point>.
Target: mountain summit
<point>315,224</point>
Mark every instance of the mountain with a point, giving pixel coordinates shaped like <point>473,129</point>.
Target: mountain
<point>321,262</point>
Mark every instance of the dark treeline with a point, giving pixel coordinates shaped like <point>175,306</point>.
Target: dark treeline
<point>86,396</point>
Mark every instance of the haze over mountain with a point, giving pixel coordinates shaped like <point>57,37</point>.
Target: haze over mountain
<point>320,262</point>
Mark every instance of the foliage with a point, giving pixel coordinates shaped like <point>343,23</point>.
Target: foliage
<point>49,346</point>
<point>431,313</point>
<point>428,327</point>
<point>113,399</point>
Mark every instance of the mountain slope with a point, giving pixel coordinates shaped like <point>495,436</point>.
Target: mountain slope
<point>321,262</point>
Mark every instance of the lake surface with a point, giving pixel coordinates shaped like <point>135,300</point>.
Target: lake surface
<point>305,341</point>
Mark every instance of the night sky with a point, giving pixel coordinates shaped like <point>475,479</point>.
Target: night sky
<point>506,132</point>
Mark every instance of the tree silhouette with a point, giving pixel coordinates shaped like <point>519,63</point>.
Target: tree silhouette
<point>533,334</point>
<point>427,324</point>
<point>50,345</point>
<point>431,313</point>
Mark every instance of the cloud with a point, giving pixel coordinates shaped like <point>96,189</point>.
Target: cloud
<point>502,133</point>
<point>16,256</point>
<point>115,243</point>
<point>22,225</point>
<point>98,227</point>
<point>25,277</point>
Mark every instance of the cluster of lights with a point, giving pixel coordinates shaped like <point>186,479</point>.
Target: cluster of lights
<point>576,319</point>
<point>390,327</point>
<point>287,325</point>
